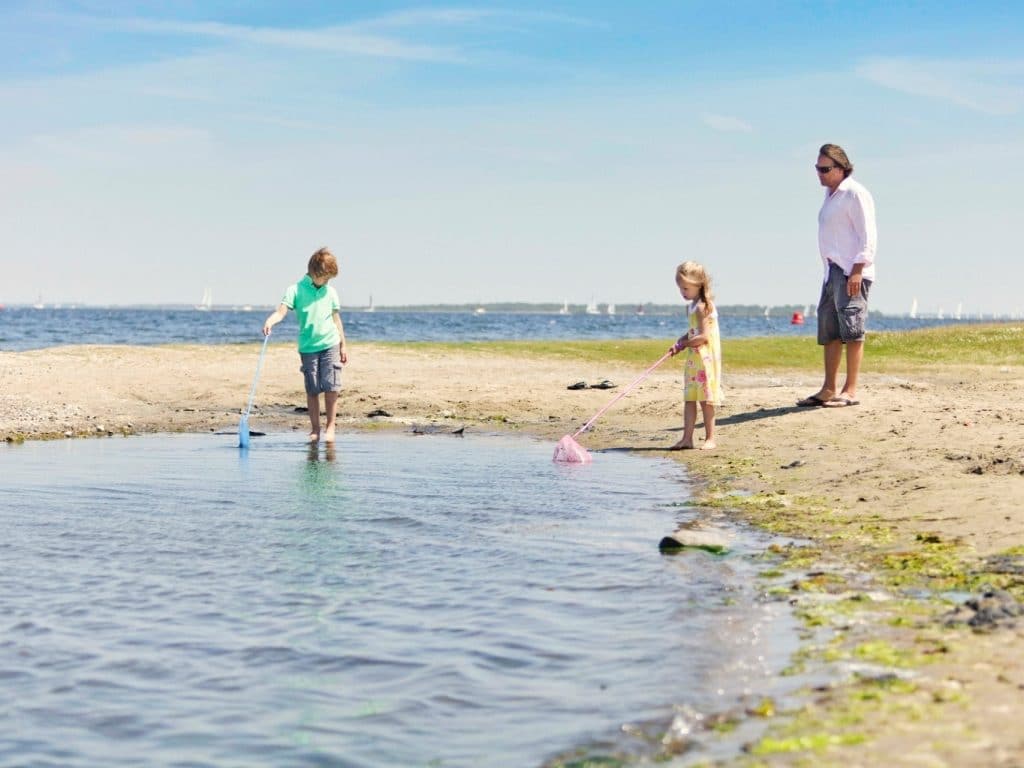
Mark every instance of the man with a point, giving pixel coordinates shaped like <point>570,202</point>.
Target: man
<point>847,239</point>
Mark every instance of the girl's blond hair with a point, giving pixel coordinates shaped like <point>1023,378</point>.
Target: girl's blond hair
<point>695,274</point>
<point>323,265</point>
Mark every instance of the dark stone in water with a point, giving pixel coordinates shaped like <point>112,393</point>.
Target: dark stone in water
<point>688,538</point>
<point>436,429</point>
<point>990,610</point>
<point>377,412</point>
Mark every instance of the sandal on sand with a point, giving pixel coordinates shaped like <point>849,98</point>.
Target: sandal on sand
<point>812,401</point>
<point>841,402</point>
<point>604,385</point>
<point>578,385</point>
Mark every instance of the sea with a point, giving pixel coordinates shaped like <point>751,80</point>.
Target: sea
<point>23,328</point>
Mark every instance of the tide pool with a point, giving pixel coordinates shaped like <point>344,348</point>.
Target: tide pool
<point>398,600</point>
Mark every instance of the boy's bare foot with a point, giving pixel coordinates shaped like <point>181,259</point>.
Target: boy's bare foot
<point>314,437</point>
<point>709,445</point>
<point>682,445</point>
<point>329,435</point>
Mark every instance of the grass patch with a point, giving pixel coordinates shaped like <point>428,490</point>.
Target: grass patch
<point>994,344</point>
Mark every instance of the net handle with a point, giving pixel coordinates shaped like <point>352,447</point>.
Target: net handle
<point>256,378</point>
<point>622,394</point>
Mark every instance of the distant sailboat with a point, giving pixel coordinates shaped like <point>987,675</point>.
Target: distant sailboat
<point>959,311</point>
<point>39,304</point>
<point>592,308</point>
<point>767,312</point>
<point>913,308</point>
<point>565,308</point>
<point>480,310</point>
<point>207,302</point>
<point>611,309</point>
<point>940,315</point>
<point>370,307</point>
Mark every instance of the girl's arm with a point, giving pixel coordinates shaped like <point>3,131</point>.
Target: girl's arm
<point>681,343</point>
<point>274,318</point>
<point>341,331</point>
<point>701,336</point>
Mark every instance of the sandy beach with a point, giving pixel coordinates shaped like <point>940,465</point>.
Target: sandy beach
<point>920,484</point>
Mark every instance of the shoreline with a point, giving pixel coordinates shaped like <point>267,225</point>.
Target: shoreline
<point>907,498</point>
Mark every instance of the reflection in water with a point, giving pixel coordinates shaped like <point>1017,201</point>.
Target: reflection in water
<point>314,452</point>
<point>320,474</point>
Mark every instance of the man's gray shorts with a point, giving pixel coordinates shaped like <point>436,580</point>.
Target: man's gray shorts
<point>841,317</point>
<point>321,370</point>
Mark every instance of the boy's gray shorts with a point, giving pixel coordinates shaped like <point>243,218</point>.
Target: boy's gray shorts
<point>841,317</point>
<point>321,370</point>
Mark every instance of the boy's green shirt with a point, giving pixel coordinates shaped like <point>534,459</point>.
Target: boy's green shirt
<point>314,309</point>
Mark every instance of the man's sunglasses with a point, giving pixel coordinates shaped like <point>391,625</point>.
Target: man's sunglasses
<point>825,168</point>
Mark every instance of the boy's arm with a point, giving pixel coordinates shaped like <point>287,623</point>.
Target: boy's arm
<point>274,318</point>
<point>341,332</point>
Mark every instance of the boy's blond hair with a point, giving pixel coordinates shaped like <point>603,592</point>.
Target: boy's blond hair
<point>322,265</point>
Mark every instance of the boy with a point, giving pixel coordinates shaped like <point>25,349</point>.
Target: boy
<point>321,338</point>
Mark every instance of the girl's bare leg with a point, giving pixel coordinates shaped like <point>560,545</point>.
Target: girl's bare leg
<point>313,406</point>
<point>331,407</point>
<point>708,412</point>
<point>689,421</point>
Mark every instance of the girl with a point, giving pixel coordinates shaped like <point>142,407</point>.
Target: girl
<point>703,364</point>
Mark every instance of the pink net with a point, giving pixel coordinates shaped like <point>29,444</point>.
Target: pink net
<point>568,450</point>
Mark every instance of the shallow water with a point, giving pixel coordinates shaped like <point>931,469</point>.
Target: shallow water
<point>399,601</point>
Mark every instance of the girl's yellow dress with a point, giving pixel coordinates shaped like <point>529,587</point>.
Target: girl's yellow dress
<point>702,366</point>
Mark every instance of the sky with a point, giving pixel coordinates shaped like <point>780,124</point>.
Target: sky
<point>522,151</point>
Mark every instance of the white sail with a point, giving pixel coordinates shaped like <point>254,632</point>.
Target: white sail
<point>611,309</point>
<point>369,307</point>
<point>565,308</point>
<point>959,311</point>
<point>592,308</point>
<point>913,308</point>
<point>207,300</point>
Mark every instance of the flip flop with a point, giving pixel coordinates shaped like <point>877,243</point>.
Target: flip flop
<point>812,401</point>
<point>841,402</point>
<point>604,385</point>
<point>578,385</point>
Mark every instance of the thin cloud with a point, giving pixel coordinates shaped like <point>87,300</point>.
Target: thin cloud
<point>465,16</point>
<point>726,124</point>
<point>106,143</point>
<point>337,39</point>
<point>991,87</point>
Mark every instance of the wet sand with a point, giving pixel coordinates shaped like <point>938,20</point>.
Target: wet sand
<point>931,461</point>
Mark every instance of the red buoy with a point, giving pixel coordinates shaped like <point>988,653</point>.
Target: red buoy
<point>797,319</point>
